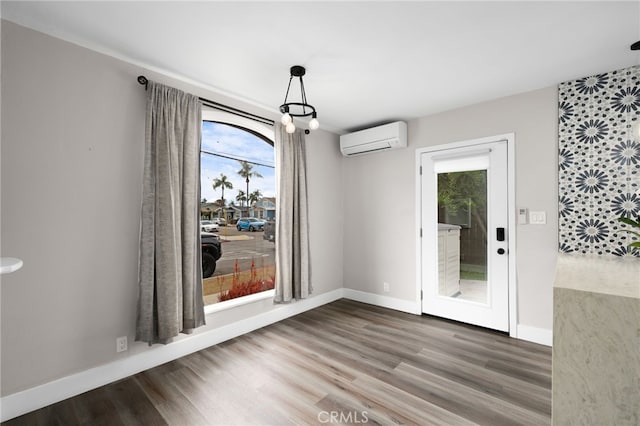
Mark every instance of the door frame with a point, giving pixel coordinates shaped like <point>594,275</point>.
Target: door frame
<point>511,217</point>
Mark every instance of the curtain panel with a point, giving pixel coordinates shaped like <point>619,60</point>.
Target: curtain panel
<point>170,297</point>
<point>293,266</point>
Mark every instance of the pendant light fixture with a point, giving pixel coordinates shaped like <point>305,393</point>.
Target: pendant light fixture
<point>297,109</point>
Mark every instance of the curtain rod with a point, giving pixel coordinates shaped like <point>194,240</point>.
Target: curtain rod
<point>222,107</point>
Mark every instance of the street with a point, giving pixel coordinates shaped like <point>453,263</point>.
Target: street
<point>243,246</point>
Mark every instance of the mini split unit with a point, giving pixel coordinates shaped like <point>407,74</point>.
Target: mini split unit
<point>381,138</point>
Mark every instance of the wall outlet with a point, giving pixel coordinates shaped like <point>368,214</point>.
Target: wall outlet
<point>385,287</point>
<point>121,344</point>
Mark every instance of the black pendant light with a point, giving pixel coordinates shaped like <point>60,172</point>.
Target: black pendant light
<point>297,109</point>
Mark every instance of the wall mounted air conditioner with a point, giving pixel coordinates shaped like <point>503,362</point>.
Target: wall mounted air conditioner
<point>380,138</point>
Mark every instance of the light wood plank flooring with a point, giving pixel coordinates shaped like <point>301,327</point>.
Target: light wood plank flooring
<point>345,362</point>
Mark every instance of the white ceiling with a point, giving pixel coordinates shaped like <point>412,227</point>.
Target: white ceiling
<point>367,62</point>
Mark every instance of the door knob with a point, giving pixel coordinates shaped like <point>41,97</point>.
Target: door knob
<point>501,251</point>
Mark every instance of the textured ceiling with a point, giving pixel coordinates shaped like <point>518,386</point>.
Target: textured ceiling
<point>367,62</point>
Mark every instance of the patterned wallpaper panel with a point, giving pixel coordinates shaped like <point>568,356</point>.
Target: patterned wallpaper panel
<point>599,164</point>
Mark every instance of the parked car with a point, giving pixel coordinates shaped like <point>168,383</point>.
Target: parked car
<point>270,231</point>
<point>211,252</point>
<point>220,221</point>
<point>250,224</point>
<point>208,226</point>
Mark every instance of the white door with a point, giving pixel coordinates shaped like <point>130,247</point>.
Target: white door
<point>464,243</point>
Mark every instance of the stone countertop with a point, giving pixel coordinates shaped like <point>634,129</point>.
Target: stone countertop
<point>612,275</point>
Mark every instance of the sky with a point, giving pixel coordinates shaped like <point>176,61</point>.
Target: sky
<point>239,144</point>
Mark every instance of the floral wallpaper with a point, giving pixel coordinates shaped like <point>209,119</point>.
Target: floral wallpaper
<point>599,161</point>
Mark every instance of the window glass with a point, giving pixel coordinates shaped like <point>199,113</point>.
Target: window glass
<point>237,171</point>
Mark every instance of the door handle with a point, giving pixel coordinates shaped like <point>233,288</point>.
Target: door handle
<point>500,234</point>
<point>501,251</point>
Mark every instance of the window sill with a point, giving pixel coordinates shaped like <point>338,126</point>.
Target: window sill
<point>239,301</point>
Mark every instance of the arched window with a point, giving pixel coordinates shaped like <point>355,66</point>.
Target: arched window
<point>238,200</point>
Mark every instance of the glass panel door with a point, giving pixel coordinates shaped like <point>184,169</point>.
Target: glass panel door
<point>464,245</point>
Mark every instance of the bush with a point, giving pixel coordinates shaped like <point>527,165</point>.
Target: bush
<point>252,286</point>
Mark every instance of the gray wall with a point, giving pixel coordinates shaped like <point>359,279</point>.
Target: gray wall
<point>71,170</point>
<point>380,196</point>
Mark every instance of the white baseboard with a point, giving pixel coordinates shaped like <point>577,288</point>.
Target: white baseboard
<point>541,336</point>
<point>20,403</point>
<point>383,301</point>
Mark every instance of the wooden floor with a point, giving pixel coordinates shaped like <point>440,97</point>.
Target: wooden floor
<point>345,362</point>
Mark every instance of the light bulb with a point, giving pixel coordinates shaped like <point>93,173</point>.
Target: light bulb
<point>290,127</point>
<point>314,124</point>
<point>286,118</point>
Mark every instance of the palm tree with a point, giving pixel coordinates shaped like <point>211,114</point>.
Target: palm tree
<point>241,197</point>
<point>247,172</point>
<point>222,182</point>
<point>254,196</point>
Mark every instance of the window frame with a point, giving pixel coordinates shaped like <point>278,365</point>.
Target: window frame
<point>267,133</point>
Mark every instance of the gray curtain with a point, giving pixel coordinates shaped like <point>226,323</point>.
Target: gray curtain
<point>170,297</point>
<point>293,267</point>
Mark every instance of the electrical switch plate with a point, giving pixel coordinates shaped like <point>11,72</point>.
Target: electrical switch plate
<point>538,218</point>
<point>522,217</point>
<point>385,287</point>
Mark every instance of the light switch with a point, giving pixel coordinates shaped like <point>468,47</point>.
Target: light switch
<point>538,218</point>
